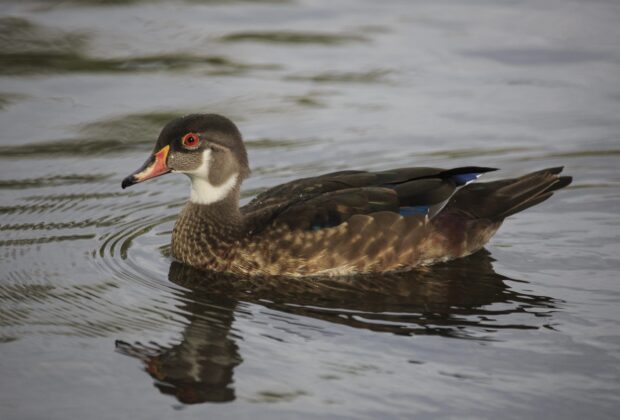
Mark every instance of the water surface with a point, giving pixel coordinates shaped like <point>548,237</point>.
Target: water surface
<point>96,320</point>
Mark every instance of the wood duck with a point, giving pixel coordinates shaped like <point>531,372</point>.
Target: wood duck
<point>339,223</point>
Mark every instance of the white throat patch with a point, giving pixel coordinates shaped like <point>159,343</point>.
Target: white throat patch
<point>203,192</point>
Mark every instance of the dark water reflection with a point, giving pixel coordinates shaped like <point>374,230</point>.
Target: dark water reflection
<point>28,48</point>
<point>201,367</point>
<point>460,299</point>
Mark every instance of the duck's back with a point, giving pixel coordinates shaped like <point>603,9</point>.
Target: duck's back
<point>350,221</point>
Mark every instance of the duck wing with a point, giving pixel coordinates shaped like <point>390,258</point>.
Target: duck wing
<point>331,199</point>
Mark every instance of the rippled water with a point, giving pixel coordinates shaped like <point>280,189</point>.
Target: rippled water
<point>97,322</point>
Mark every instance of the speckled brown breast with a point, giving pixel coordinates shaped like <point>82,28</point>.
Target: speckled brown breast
<point>379,242</point>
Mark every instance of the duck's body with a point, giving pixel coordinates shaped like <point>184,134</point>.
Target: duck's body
<point>340,223</point>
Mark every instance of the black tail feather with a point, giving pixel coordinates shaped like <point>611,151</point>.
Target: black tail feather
<point>500,199</point>
<point>563,181</point>
<point>532,201</point>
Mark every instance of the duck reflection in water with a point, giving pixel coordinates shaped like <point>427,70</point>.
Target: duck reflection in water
<point>199,368</point>
<point>452,299</point>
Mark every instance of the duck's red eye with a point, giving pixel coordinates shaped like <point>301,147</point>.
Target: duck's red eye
<point>190,140</point>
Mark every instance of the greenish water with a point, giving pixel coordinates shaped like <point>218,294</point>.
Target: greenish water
<point>96,320</point>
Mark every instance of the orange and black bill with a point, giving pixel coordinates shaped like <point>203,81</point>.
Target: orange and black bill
<point>154,166</point>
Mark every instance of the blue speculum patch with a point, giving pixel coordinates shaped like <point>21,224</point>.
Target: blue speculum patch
<point>412,211</point>
<point>463,179</point>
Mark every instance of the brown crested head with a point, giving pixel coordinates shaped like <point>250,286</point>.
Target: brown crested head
<point>193,134</point>
<point>206,147</point>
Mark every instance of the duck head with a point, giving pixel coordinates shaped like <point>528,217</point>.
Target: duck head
<point>206,147</point>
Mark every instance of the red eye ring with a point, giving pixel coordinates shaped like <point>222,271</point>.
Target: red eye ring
<point>191,140</point>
